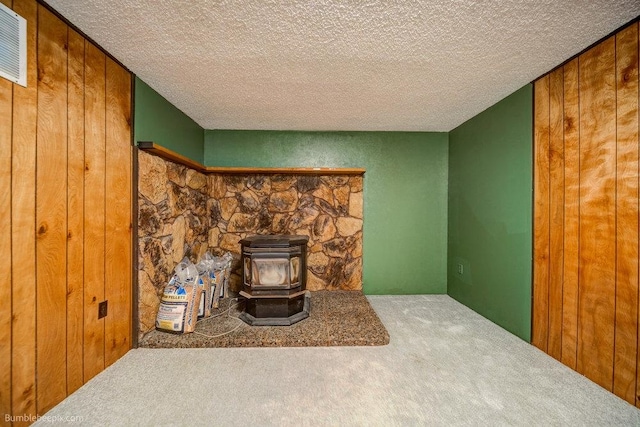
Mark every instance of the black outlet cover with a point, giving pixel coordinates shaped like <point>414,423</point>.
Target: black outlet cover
<point>102,309</point>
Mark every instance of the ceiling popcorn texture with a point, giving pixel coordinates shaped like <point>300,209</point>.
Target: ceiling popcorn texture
<point>342,65</point>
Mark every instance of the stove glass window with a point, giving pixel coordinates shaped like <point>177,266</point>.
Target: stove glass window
<point>270,272</point>
<point>295,270</point>
<point>247,271</point>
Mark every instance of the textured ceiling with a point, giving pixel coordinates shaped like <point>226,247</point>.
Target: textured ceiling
<point>342,65</point>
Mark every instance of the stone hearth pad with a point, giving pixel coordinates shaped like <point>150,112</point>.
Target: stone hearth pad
<point>337,318</point>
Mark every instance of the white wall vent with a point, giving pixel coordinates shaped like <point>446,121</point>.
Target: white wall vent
<point>13,46</point>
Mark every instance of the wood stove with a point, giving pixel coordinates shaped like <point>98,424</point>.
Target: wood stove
<point>274,272</point>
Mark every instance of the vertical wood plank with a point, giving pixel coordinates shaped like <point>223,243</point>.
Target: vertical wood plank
<point>75,201</point>
<point>637,397</point>
<point>118,213</point>
<point>94,212</point>
<point>6,108</point>
<point>597,213</point>
<point>51,210</point>
<point>556,211</point>
<point>23,237</point>
<point>540,325</point>
<point>571,214</point>
<point>626,296</point>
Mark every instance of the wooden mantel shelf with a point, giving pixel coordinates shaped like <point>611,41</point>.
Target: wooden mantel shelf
<point>165,153</point>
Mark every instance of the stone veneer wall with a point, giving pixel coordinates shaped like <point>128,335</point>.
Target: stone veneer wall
<point>172,223</point>
<point>328,209</point>
<point>182,212</point>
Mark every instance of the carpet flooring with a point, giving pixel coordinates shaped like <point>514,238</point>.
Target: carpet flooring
<point>336,318</point>
<point>444,366</point>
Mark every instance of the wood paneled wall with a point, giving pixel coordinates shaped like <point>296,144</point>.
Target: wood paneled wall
<point>585,290</point>
<point>65,216</point>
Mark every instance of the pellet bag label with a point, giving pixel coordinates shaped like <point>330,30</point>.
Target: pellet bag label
<point>178,309</point>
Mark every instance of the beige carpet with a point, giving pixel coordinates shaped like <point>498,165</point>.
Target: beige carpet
<point>445,366</point>
<point>336,318</point>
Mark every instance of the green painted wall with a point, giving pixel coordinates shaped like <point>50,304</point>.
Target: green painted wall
<point>157,120</point>
<point>405,185</point>
<point>490,205</point>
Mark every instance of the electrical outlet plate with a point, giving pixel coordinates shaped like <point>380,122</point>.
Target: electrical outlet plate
<point>102,309</point>
<point>461,270</point>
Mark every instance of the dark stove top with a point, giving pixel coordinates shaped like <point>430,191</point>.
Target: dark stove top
<point>274,241</point>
